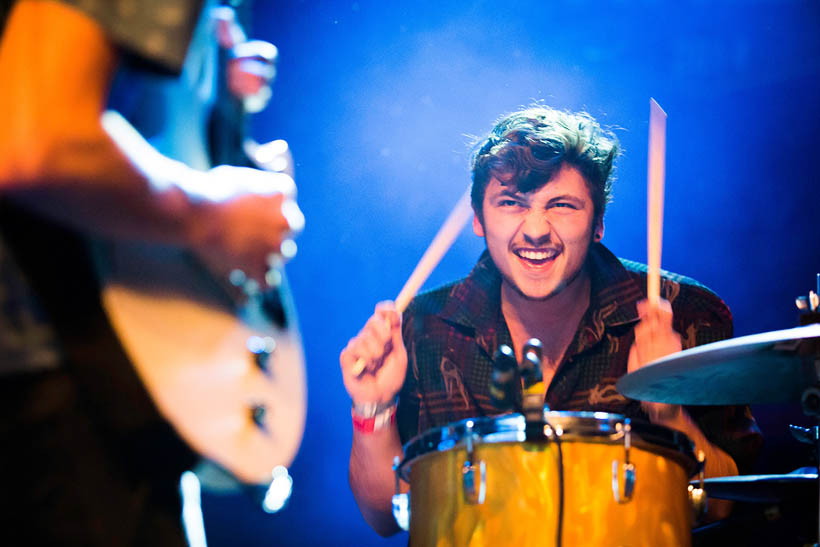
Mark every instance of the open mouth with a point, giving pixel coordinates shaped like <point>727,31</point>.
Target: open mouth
<point>536,257</point>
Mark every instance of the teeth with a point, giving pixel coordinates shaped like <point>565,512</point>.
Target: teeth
<point>536,255</point>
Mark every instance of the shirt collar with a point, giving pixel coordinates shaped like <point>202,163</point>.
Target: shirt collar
<point>613,290</point>
<point>475,301</point>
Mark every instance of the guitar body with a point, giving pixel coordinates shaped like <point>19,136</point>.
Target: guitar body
<point>189,343</point>
<point>186,335</point>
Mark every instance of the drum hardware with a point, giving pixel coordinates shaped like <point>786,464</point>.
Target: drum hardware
<point>470,469</point>
<point>537,425</point>
<point>549,431</point>
<point>531,362</point>
<point>697,494</point>
<point>505,374</point>
<point>401,501</point>
<point>799,486</point>
<point>532,380</point>
<point>810,401</point>
<point>628,468</point>
<point>803,434</point>
<point>810,398</point>
<point>522,485</point>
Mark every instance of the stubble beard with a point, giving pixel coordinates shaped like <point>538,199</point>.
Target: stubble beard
<point>509,282</point>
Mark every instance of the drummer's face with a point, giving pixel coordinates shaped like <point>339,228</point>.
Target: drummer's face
<point>539,240</point>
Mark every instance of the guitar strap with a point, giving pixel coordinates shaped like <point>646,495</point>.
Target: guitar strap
<point>57,263</point>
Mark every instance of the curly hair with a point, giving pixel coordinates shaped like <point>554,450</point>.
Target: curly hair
<point>526,149</point>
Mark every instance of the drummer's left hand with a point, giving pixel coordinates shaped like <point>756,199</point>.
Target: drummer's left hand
<point>654,338</point>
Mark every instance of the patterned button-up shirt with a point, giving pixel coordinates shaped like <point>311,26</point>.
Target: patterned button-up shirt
<point>452,333</point>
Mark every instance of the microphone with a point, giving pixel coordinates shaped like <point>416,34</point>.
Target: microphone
<point>503,379</point>
<point>531,365</point>
<point>533,379</point>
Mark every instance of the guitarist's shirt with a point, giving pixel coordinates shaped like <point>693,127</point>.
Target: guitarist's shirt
<point>153,37</point>
<point>94,463</point>
<point>155,32</point>
<point>27,339</point>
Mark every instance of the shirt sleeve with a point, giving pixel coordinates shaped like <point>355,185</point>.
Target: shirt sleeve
<point>407,414</point>
<point>155,32</point>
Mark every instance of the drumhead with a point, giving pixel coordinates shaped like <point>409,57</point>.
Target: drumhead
<point>600,427</point>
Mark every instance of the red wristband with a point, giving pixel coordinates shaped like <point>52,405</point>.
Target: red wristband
<point>379,421</point>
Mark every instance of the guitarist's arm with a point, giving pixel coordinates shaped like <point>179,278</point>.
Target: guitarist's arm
<point>59,158</point>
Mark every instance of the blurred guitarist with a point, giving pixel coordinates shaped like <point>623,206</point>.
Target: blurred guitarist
<point>86,456</point>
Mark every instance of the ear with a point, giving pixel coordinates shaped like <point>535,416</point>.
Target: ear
<point>598,230</point>
<point>478,229</point>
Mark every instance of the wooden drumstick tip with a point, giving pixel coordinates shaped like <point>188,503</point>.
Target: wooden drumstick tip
<point>358,367</point>
<point>655,191</point>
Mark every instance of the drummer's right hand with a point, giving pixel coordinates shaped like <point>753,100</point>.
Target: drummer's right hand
<point>379,346</point>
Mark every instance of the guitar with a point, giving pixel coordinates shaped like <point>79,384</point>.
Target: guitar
<point>226,371</point>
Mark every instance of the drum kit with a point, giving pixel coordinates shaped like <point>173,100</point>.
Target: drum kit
<point>536,477</point>
<point>516,480</point>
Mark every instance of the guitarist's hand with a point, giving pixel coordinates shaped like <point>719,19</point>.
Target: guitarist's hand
<point>381,347</point>
<point>243,219</point>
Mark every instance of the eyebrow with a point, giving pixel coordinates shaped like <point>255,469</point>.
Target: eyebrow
<point>510,194</point>
<point>569,197</point>
<point>581,202</point>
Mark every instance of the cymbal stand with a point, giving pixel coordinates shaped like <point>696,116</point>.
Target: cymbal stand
<point>810,399</point>
<point>810,435</point>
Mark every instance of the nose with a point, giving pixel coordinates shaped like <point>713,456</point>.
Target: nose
<point>536,228</point>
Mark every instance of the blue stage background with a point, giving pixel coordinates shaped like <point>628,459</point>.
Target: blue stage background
<point>379,99</point>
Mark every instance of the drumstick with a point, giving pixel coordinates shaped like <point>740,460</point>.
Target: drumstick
<point>443,240</point>
<point>655,182</point>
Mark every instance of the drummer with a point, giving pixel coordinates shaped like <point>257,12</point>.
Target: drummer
<point>540,186</point>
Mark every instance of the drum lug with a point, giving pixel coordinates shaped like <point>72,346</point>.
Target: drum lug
<point>629,481</point>
<point>623,495</point>
<point>474,493</point>
<point>401,502</point>
<point>401,510</point>
<point>697,496</point>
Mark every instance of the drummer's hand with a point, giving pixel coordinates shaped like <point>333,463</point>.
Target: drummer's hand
<point>381,346</point>
<point>654,338</point>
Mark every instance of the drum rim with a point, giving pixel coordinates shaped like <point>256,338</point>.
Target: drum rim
<point>510,428</point>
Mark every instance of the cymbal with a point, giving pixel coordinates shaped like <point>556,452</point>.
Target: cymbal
<point>762,488</point>
<point>772,367</point>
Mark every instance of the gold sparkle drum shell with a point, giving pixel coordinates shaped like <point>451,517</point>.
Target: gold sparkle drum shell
<point>501,481</point>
